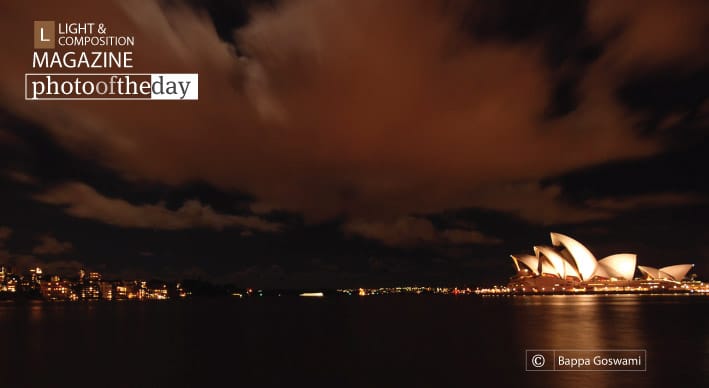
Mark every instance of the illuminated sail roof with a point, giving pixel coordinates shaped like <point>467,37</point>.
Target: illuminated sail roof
<point>562,267</point>
<point>569,258</point>
<point>620,266</point>
<point>528,261</point>
<point>677,272</point>
<point>546,267</point>
<point>601,272</point>
<point>650,272</point>
<point>673,272</point>
<point>584,259</point>
<point>571,270</point>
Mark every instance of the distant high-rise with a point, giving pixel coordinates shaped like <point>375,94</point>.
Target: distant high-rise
<point>106,289</point>
<point>90,287</point>
<point>36,275</point>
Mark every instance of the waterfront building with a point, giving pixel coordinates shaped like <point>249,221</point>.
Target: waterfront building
<point>673,272</point>
<point>56,289</point>
<point>106,290</point>
<point>569,265</point>
<point>89,286</point>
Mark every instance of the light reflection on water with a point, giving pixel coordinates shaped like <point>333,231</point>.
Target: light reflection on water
<point>583,322</point>
<point>668,327</point>
<point>359,342</point>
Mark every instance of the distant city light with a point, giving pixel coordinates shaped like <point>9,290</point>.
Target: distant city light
<point>312,294</point>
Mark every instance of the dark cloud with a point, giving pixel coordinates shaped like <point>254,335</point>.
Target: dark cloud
<point>321,120</point>
<point>408,231</point>
<point>647,34</point>
<point>21,177</point>
<point>49,245</point>
<point>381,124</point>
<point>8,138</point>
<point>55,267</point>
<point>5,233</point>
<point>83,201</point>
<point>647,200</point>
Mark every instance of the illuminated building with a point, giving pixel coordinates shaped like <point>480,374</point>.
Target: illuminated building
<point>156,292</point>
<point>106,290</point>
<point>673,272</point>
<point>132,290</point>
<point>11,283</point>
<point>89,287</point>
<point>120,291</point>
<point>90,292</point>
<point>142,291</point>
<point>569,265</point>
<point>36,274</point>
<point>180,291</point>
<point>56,289</point>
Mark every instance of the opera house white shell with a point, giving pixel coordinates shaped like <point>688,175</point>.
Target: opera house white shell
<point>621,265</point>
<point>583,258</point>
<point>568,259</point>
<point>673,272</point>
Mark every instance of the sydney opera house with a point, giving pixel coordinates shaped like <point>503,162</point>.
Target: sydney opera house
<point>567,265</point>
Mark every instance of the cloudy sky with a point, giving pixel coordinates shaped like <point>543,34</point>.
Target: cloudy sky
<point>365,142</point>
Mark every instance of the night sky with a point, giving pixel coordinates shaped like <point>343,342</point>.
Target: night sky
<point>363,143</point>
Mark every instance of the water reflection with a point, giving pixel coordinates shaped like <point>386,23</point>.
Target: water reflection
<point>588,321</point>
<point>35,311</point>
<point>583,322</point>
<point>411,341</point>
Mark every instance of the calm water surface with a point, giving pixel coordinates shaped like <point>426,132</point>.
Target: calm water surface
<point>387,341</point>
